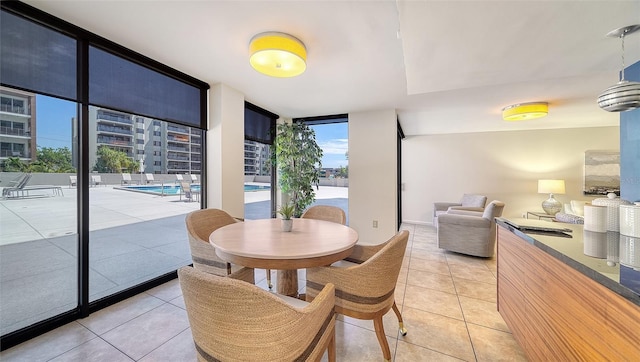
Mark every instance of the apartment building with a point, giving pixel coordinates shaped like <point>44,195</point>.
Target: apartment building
<point>17,124</point>
<point>163,147</point>
<point>257,161</point>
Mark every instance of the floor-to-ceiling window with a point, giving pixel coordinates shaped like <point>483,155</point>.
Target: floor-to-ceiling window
<point>259,193</point>
<point>38,209</point>
<point>95,140</point>
<point>332,135</point>
<point>137,208</point>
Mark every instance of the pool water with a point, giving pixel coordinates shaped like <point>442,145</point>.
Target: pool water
<point>175,189</point>
<point>256,187</point>
<point>159,189</point>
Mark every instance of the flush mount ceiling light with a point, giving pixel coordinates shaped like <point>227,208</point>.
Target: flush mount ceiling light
<point>278,54</point>
<point>624,95</point>
<point>525,111</point>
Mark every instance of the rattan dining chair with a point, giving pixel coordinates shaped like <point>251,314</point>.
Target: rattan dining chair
<point>366,290</point>
<point>200,224</point>
<point>326,213</point>
<point>235,321</point>
<point>319,212</point>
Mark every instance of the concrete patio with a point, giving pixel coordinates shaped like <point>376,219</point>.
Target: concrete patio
<point>133,237</point>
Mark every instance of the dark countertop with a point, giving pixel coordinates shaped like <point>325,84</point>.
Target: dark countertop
<point>604,250</point>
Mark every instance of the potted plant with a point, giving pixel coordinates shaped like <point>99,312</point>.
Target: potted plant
<point>298,158</point>
<point>286,211</point>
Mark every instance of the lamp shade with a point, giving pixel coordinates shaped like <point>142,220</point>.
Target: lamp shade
<point>623,96</point>
<point>551,186</point>
<point>278,55</point>
<point>525,111</point>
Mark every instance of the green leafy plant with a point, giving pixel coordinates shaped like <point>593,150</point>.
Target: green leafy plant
<point>298,158</point>
<point>113,161</point>
<point>286,211</point>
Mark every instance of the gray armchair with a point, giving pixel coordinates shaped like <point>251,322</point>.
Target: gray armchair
<point>469,232</point>
<point>469,202</point>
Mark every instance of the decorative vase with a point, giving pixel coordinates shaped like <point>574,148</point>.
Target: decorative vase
<point>287,224</point>
<point>551,206</point>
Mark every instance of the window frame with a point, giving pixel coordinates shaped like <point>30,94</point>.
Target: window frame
<point>84,40</point>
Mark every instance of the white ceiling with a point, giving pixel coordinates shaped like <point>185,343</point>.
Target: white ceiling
<point>445,66</point>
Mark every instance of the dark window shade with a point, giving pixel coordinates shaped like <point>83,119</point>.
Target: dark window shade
<point>258,124</point>
<point>36,58</point>
<point>315,121</point>
<point>120,84</point>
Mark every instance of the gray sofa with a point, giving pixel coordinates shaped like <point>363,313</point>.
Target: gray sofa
<point>469,202</point>
<point>469,232</point>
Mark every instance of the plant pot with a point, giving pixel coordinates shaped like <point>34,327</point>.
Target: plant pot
<point>287,224</point>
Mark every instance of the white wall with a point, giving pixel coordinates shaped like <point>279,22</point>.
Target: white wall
<point>225,154</point>
<point>373,175</point>
<point>503,166</point>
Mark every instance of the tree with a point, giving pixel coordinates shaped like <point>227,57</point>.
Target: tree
<point>113,161</point>
<point>298,159</point>
<point>343,172</point>
<point>13,164</point>
<point>48,160</point>
<point>53,160</point>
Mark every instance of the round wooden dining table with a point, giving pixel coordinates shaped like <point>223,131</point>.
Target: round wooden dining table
<point>263,244</point>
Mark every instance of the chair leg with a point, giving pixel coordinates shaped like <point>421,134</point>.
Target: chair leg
<point>269,279</point>
<point>382,339</point>
<point>403,330</point>
<point>331,349</point>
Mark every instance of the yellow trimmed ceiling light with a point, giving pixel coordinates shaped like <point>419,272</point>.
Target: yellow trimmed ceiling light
<point>278,55</point>
<point>525,111</point>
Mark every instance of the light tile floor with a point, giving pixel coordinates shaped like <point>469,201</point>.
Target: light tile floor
<point>448,302</point>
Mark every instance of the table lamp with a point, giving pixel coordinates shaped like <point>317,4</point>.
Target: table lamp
<point>551,206</point>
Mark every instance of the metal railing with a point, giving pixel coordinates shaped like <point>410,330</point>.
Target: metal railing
<point>14,109</point>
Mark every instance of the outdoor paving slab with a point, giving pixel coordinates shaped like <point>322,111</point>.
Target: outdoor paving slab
<point>130,269</point>
<point>41,260</point>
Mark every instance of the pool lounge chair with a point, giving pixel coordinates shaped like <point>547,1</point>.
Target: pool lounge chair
<point>96,180</point>
<point>16,184</point>
<point>126,180</point>
<point>21,190</point>
<point>73,181</point>
<point>194,178</point>
<point>149,178</point>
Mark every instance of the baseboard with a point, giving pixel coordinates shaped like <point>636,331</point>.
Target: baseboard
<point>427,223</point>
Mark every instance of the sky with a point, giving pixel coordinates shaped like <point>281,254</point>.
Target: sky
<point>54,130</point>
<point>54,122</point>
<point>333,139</point>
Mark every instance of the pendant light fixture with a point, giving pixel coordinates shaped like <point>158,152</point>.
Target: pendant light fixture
<point>624,95</point>
<point>278,54</point>
<point>525,111</point>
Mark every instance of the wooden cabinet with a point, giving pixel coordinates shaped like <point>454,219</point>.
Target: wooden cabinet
<point>557,313</point>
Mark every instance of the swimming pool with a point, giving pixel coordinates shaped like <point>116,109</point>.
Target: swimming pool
<point>175,189</point>
<point>256,187</point>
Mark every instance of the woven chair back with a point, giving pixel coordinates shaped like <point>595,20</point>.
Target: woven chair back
<point>365,290</point>
<point>235,321</point>
<point>200,224</point>
<point>326,213</point>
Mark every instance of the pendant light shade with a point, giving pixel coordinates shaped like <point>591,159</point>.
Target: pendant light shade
<point>278,55</point>
<point>525,111</point>
<point>624,95</point>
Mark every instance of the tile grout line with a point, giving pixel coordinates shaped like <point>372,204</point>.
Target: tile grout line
<point>464,318</point>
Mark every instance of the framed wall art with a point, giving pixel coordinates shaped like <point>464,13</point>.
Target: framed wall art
<point>601,172</point>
